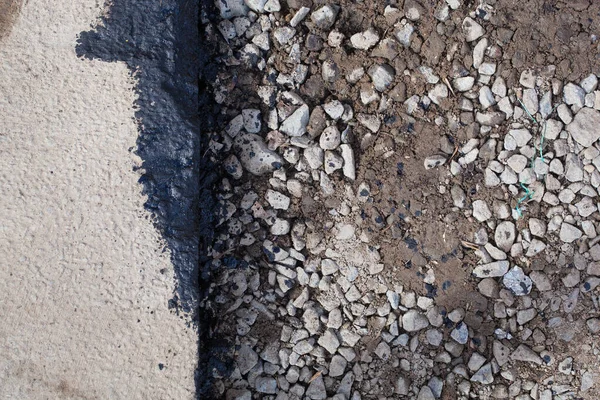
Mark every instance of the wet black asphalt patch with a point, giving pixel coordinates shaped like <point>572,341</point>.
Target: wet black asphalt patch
<point>161,43</point>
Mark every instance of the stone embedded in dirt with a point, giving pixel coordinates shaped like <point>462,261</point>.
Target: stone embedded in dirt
<point>266,384</point>
<point>475,362</point>
<point>329,341</point>
<point>365,40</point>
<point>272,6</point>
<point>535,247</point>
<point>403,33</point>
<point>491,270</point>
<point>383,351</point>
<point>316,389</point>
<point>584,127</point>
<point>324,17</point>
<point>246,359</point>
<point>330,138</point>
<point>295,124</point>
<point>490,118</point>
<point>486,68</point>
<point>472,29</point>
<point>254,154</point>
<point>574,95</point>
<point>434,161</point>
<point>329,267</point>
<point>541,281</point>
<point>458,196</point>
<point>517,162</point>
<point>569,233</point>
<point>402,386</point>
<point>479,52</point>
<point>481,211</point>
<point>517,282</point>
<point>436,385</point>
<point>413,321</point>
<point>369,121</point>
<point>484,376</point>
<point>505,235</point>
<point>589,83</point>
<point>382,76</point>
<point>299,16</point>
<point>524,353</point>
<point>334,109</point>
<point>280,227</point>
<point>335,39</point>
<point>486,97</point>
<point>546,105</point>
<point>233,166</point>
<point>232,8</point>
<point>330,71</point>
<point>425,394</point>
<point>593,325</point>
<point>530,101</point>
<point>314,156</point>
<point>564,113</point>
<point>461,333</point>
<point>524,316</point>
<point>348,156</point>
<point>438,93</point>
<point>337,366</point>
<point>252,122</point>
<point>277,200</point>
<point>499,87</point>
<point>527,79</point>
<point>464,84</point>
<point>332,162</point>
<point>501,353</point>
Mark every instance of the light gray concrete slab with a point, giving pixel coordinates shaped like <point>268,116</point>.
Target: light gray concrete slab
<point>83,301</point>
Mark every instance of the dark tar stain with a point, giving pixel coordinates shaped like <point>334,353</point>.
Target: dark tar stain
<point>161,43</point>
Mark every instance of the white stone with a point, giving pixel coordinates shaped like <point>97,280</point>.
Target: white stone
<point>486,97</point>
<point>481,211</point>
<point>254,154</point>
<point>382,76</point>
<point>364,40</point>
<point>299,16</point>
<point>479,53</point>
<point>295,124</point>
<point>472,29</point>
<point>574,95</point>
<point>324,17</point>
<point>569,233</point>
<point>584,127</point>
<point>464,84</point>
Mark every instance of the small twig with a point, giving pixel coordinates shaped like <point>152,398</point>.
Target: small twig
<point>315,376</point>
<point>469,245</point>
<point>449,86</point>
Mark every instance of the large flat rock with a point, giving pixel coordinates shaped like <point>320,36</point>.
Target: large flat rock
<point>585,127</point>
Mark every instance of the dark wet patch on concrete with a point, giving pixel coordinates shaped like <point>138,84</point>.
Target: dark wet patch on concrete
<point>9,12</point>
<point>161,43</point>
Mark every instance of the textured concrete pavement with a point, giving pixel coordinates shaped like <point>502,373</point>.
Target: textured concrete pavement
<point>84,279</point>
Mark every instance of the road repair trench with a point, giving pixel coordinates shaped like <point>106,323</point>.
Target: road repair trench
<point>374,200</point>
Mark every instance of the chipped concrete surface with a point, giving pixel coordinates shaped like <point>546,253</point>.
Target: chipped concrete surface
<point>84,281</point>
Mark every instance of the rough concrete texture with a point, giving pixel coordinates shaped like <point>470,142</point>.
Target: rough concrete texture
<point>84,281</point>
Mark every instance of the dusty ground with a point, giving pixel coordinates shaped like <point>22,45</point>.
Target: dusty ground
<point>407,216</point>
<point>84,277</point>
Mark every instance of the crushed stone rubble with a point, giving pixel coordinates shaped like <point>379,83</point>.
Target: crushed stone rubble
<point>302,291</point>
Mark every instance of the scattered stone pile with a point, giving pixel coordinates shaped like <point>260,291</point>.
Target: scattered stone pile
<point>311,94</point>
